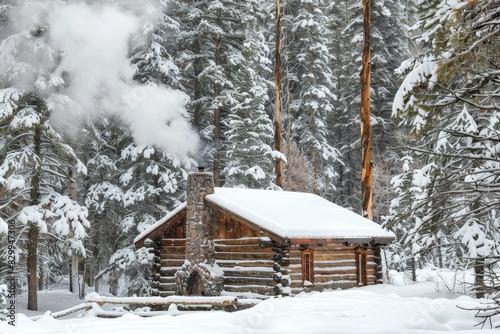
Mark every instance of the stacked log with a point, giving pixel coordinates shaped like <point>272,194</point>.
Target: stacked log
<point>247,264</point>
<point>172,257</point>
<point>334,267</point>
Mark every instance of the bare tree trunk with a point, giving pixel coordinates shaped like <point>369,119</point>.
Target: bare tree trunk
<point>366,173</point>
<point>277,116</point>
<point>288,138</point>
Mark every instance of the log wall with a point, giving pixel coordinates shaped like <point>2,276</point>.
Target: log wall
<point>248,264</point>
<point>170,255</point>
<point>260,266</point>
<point>335,266</point>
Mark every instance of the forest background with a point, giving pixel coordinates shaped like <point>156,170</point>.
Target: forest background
<point>106,105</point>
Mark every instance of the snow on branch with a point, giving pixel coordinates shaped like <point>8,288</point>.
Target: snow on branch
<point>62,216</point>
<point>423,73</point>
<point>278,155</point>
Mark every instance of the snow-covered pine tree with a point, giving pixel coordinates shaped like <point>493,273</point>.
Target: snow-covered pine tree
<point>400,221</point>
<point>150,184</point>
<point>152,59</point>
<point>250,130</point>
<point>450,98</point>
<point>211,36</point>
<point>344,131</point>
<point>101,142</point>
<point>35,161</point>
<point>35,156</point>
<point>311,89</point>
<point>390,45</point>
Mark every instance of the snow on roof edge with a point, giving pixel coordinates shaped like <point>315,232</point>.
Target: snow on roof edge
<point>160,222</point>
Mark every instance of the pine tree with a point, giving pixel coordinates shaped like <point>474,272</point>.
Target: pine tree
<point>34,165</point>
<point>210,40</point>
<point>250,130</point>
<point>153,60</point>
<point>311,89</point>
<point>35,155</point>
<point>449,99</point>
<point>344,133</point>
<point>100,149</point>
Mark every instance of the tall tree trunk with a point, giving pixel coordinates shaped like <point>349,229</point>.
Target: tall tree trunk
<point>217,116</point>
<point>277,116</point>
<point>33,235</point>
<point>33,231</point>
<point>197,85</point>
<point>413,269</point>
<point>74,287</point>
<point>366,173</point>
<point>288,137</point>
<point>84,277</point>
<point>314,160</point>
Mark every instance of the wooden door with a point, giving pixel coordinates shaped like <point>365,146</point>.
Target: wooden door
<point>307,266</point>
<point>361,267</point>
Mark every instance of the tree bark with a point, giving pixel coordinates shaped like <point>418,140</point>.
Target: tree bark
<point>33,231</point>
<point>84,277</point>
<point>33,235</point>
<point>74,286</point>
<point>479,277</point>
<point>288,137</point>
<point>197,84</point>
<point>217,116</point>
<point>366,173</point>
<point>277,116</point>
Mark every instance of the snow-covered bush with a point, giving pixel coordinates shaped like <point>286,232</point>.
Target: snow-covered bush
<point>130,269</point>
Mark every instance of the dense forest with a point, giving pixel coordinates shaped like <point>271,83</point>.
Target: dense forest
<point>106,105</point>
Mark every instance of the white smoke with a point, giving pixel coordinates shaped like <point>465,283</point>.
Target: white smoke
<point>94,43</point>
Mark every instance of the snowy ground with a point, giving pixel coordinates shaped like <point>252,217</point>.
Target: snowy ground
<point>427,307</point>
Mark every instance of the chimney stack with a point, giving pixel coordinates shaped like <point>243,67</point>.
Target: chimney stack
<point>199,230</point>
<point>196,276</point>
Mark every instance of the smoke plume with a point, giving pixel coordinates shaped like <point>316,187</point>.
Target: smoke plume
<point>93,41</point>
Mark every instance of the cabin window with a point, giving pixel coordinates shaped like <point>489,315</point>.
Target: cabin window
<point>361,267</point>
<point>308,267</point>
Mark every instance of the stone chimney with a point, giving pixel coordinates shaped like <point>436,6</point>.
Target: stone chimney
<point>199,229</point>
<point>200,274</point>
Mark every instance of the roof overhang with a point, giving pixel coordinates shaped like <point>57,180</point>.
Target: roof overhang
<point>263,231</point>
<point>159,228</point>
<point>372,241</point>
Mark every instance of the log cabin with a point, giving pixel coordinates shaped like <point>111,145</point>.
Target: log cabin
<point>260,243</point>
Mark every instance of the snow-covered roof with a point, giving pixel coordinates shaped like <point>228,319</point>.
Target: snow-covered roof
<point>290,215</point>
<point>297,215</point>
<point>159,223</point>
